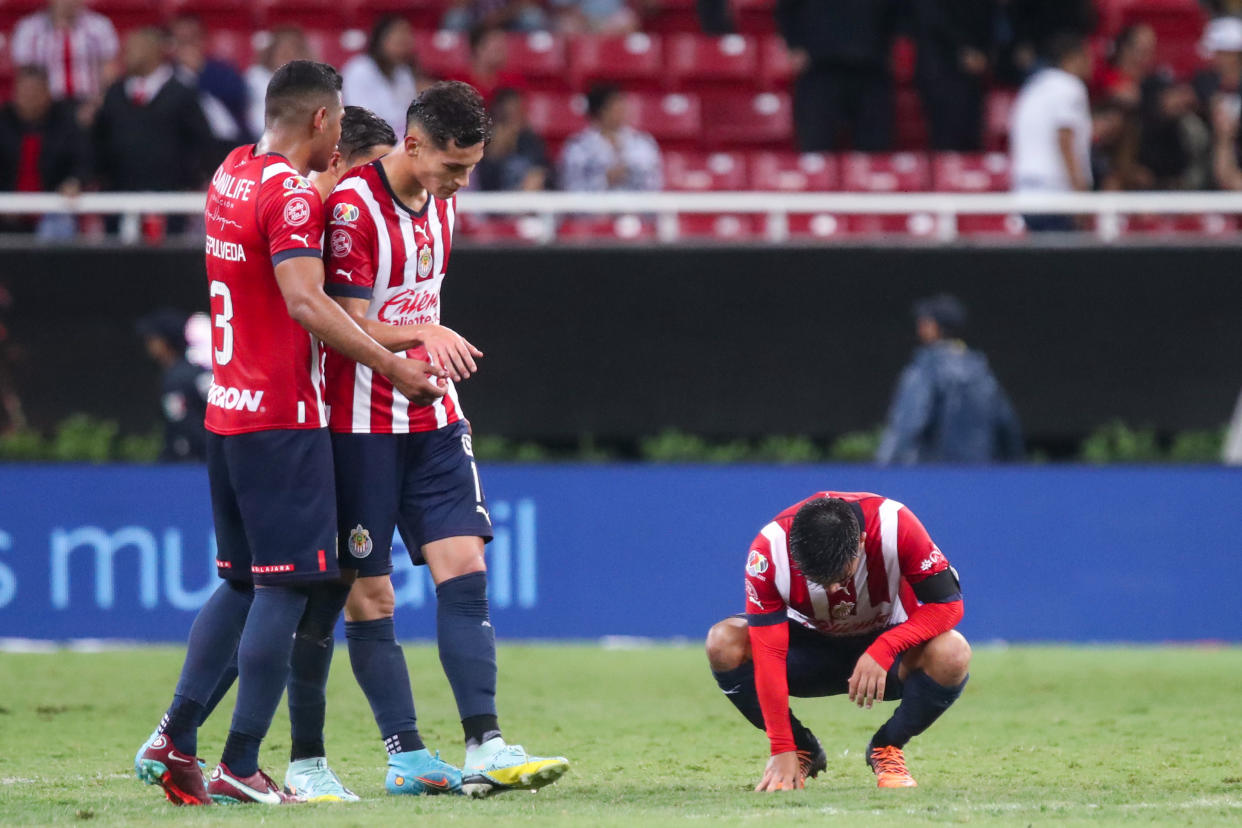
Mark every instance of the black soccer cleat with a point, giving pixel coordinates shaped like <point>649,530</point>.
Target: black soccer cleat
<point>812,761</point>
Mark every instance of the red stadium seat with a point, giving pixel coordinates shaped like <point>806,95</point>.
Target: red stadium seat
<point>130,14</point>
<point>997,107</point>
<point>442,53</point>
<point>755,16</point>
<point>903,57</point>
<point>765,118</point>
<point>671,119</point>
<point>334,46</point>
<point>722,226</point>
<point>422,14</point>
<point>555,115</point>
<point>829,226</point>
<point>1210,224</point>
<point>696,60</point>
<point>702,171</point>
<point>634,60</point>
<point>953,172</point>
<point>231,14</point>
<point>672,16</point>
<point>902,172</point>
<point>538,55</point>
<point>491,229</point>
<point>910,123</point>
<point>775,70</point>
<point>322,12</point>
<point>1010,225</point>
<point>791,172</point>
<point>607,228</point>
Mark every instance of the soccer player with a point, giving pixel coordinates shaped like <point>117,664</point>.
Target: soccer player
<point>845,593</point>
<point>269,455</point>
<point>402,464</point>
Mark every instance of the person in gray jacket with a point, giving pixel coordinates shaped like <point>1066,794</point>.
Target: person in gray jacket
<point>948,407</point>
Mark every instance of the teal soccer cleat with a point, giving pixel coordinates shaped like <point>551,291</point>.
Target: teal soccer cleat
<point>418,772</point>
<point>312,780</point>
<point>495,766</point>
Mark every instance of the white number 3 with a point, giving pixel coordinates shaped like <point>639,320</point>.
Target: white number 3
<point>225,352</point>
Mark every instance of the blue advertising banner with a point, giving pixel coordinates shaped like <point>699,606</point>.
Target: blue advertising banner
<point>1044,553</point>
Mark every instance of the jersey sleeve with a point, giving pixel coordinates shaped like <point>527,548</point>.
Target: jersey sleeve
<point>349,260</point>
<point>764,604</point>
<point>917,554</point>
<point>291,216</point>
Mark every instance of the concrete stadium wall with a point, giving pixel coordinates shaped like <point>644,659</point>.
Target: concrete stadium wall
<point>719,341</point>
<point>1052,553</point>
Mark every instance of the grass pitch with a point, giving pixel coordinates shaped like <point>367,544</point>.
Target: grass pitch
<point>1072,735</point>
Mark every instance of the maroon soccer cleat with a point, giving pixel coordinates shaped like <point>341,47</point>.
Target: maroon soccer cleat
<point>226,788</point>
<point>177,773</point>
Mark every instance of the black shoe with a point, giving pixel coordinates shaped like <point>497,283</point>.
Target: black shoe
<point>813,760</point>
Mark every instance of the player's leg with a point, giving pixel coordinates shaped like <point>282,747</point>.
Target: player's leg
<point>933,676</point>
<point>368,473</point>
<point>444,517</point>
<point>728,653</point>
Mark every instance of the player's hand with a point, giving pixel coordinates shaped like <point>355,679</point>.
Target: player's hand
<point>867,682</point>
<point>450,350</point>
<point>422,383</point>
<point>782,773</point>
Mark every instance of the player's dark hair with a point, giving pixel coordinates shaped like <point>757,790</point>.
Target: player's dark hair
<point>599,96</point>
<point>823,539</point>
<point>1064,45</point>
<point>361,130</point>
<point>451,111</point>
<point>299,88</point>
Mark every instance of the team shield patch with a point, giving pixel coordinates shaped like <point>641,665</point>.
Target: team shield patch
<point>340,243</point>
<point>756,563</point>
<point>360,544</point>
<point>424,261</point>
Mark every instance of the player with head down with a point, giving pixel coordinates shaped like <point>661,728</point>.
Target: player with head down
<point>845,593</point>
<point>268,451</point>
<point>402,464</point>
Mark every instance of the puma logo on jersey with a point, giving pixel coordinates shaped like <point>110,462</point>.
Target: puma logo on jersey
<point>418,228</point>
<point>234,399</point>
<point>305,237</point>
<point>345,273</point>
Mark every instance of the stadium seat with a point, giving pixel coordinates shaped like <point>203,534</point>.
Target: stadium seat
<point>626,228</point>
<point>764,118</point>
<point>674,120</point>
<point>909,121</point>
<point>492,229</point>
<point>229,14</point>
<point>755,16</point>
<point>903,59</point>
<point>673,16</point>
<point>902,172</point>
<point>793,172</point>
<point>994,226</point>
<point>696,61</point>
<point>322,12</point>
<point>954,172</point>
<point>555,115</point>
<point>829,226</point>
<point>702,171</point>
<point>635,61</point>
<point>720,226</point>
<point>442,53</point>
<point>537,57</point>
<point>130,14</point>
<point>12,11</point>
<point>422,14</point>
<point>334,46</point>
<point>775,70</point>
<point>997,107</point>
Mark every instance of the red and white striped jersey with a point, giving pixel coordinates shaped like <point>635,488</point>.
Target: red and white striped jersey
<point>380,250</point>
<point>899,552</point>
<point>74,57</point>
<point>266,368</point>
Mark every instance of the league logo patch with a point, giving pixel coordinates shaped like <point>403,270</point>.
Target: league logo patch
<point>297,211</point>
<point>297,182</point>
<point>360,544</point>
<point>345,213</point>
<point>340,243</point>
<point>752,595</point>
<point>756,564</point>
<point>424,262</point>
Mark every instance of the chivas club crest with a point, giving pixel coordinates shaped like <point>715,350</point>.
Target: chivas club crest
<point>360,544</point>
<point>842,610</point>
<point>424,262</point>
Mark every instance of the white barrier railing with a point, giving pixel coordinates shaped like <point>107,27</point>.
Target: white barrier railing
<point>545,208</point>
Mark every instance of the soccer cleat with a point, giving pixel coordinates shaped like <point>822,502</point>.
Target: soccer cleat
<point>890,767</point>
<point>495,767</point>
<point>811,762</point>
<point>415,772</point>
<point>227,789</point>
<point>138,769</point>
<point>178,774</point>
<point>313,781</point>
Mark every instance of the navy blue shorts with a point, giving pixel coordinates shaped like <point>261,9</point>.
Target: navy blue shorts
<point>425,484</point>
<point>821,665</point>
<point>273,500</point>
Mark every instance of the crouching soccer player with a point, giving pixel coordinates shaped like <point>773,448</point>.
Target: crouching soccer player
<point>845,593</point>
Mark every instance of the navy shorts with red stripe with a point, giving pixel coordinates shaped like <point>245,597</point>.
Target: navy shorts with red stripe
<point>273,499</point>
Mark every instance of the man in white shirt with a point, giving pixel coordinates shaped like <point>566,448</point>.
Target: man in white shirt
<point>1050,130</point>
<point>610,154</point>
<point>76,46</point>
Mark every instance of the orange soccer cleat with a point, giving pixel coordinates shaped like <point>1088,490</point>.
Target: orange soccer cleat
<point>890,767</point>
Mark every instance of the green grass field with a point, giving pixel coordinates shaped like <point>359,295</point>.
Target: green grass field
<point>1072,735</point>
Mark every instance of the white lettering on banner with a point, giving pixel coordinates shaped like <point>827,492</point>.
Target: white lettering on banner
<point>174,590</point>
<point>234,399</point>
<point>65,541</point>
<point>229,251</point>
<point>8,581</point>
<point>511,561</point>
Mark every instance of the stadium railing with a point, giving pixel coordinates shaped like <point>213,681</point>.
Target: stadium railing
<point>939,212</point>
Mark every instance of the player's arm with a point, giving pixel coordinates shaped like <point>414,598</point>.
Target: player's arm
<point>446,347</point>
<point>301,283</point>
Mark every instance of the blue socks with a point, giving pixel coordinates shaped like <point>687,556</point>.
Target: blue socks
<point>215,632</point>
<point>738,686</point>
<point>309,666</point>
<point>922,702</point>
<point>263,667</point>
<point>379,666</point>
<point>467,646</point>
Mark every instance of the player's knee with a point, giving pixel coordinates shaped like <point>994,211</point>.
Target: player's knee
<point>371,599</point>
<point>948,656</point>
<point>727,642</point>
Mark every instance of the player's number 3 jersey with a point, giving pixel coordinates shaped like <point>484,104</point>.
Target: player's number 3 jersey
<point>380,250</point>
<point>266,368</point>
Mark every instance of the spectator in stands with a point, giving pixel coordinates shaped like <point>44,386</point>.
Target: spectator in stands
<point>1050,130</point>
<point>150,133</point>
<point>1219,91</point>
<point>1115,135</point>
<point>42,149</point>
<point>511,15</point>
<point>286,43</point>
<point>489,52</point>
<point>1031,26</point>
<point>77,47</point>
<point>953,38</point>
<point>516,159</point>
<point>184,389</point>
<point>610,154</point>
<point>840,52</point>
<point>382,78</point>
<point>605,17</point>
<point>948,407</point>
<point>222,93</point>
